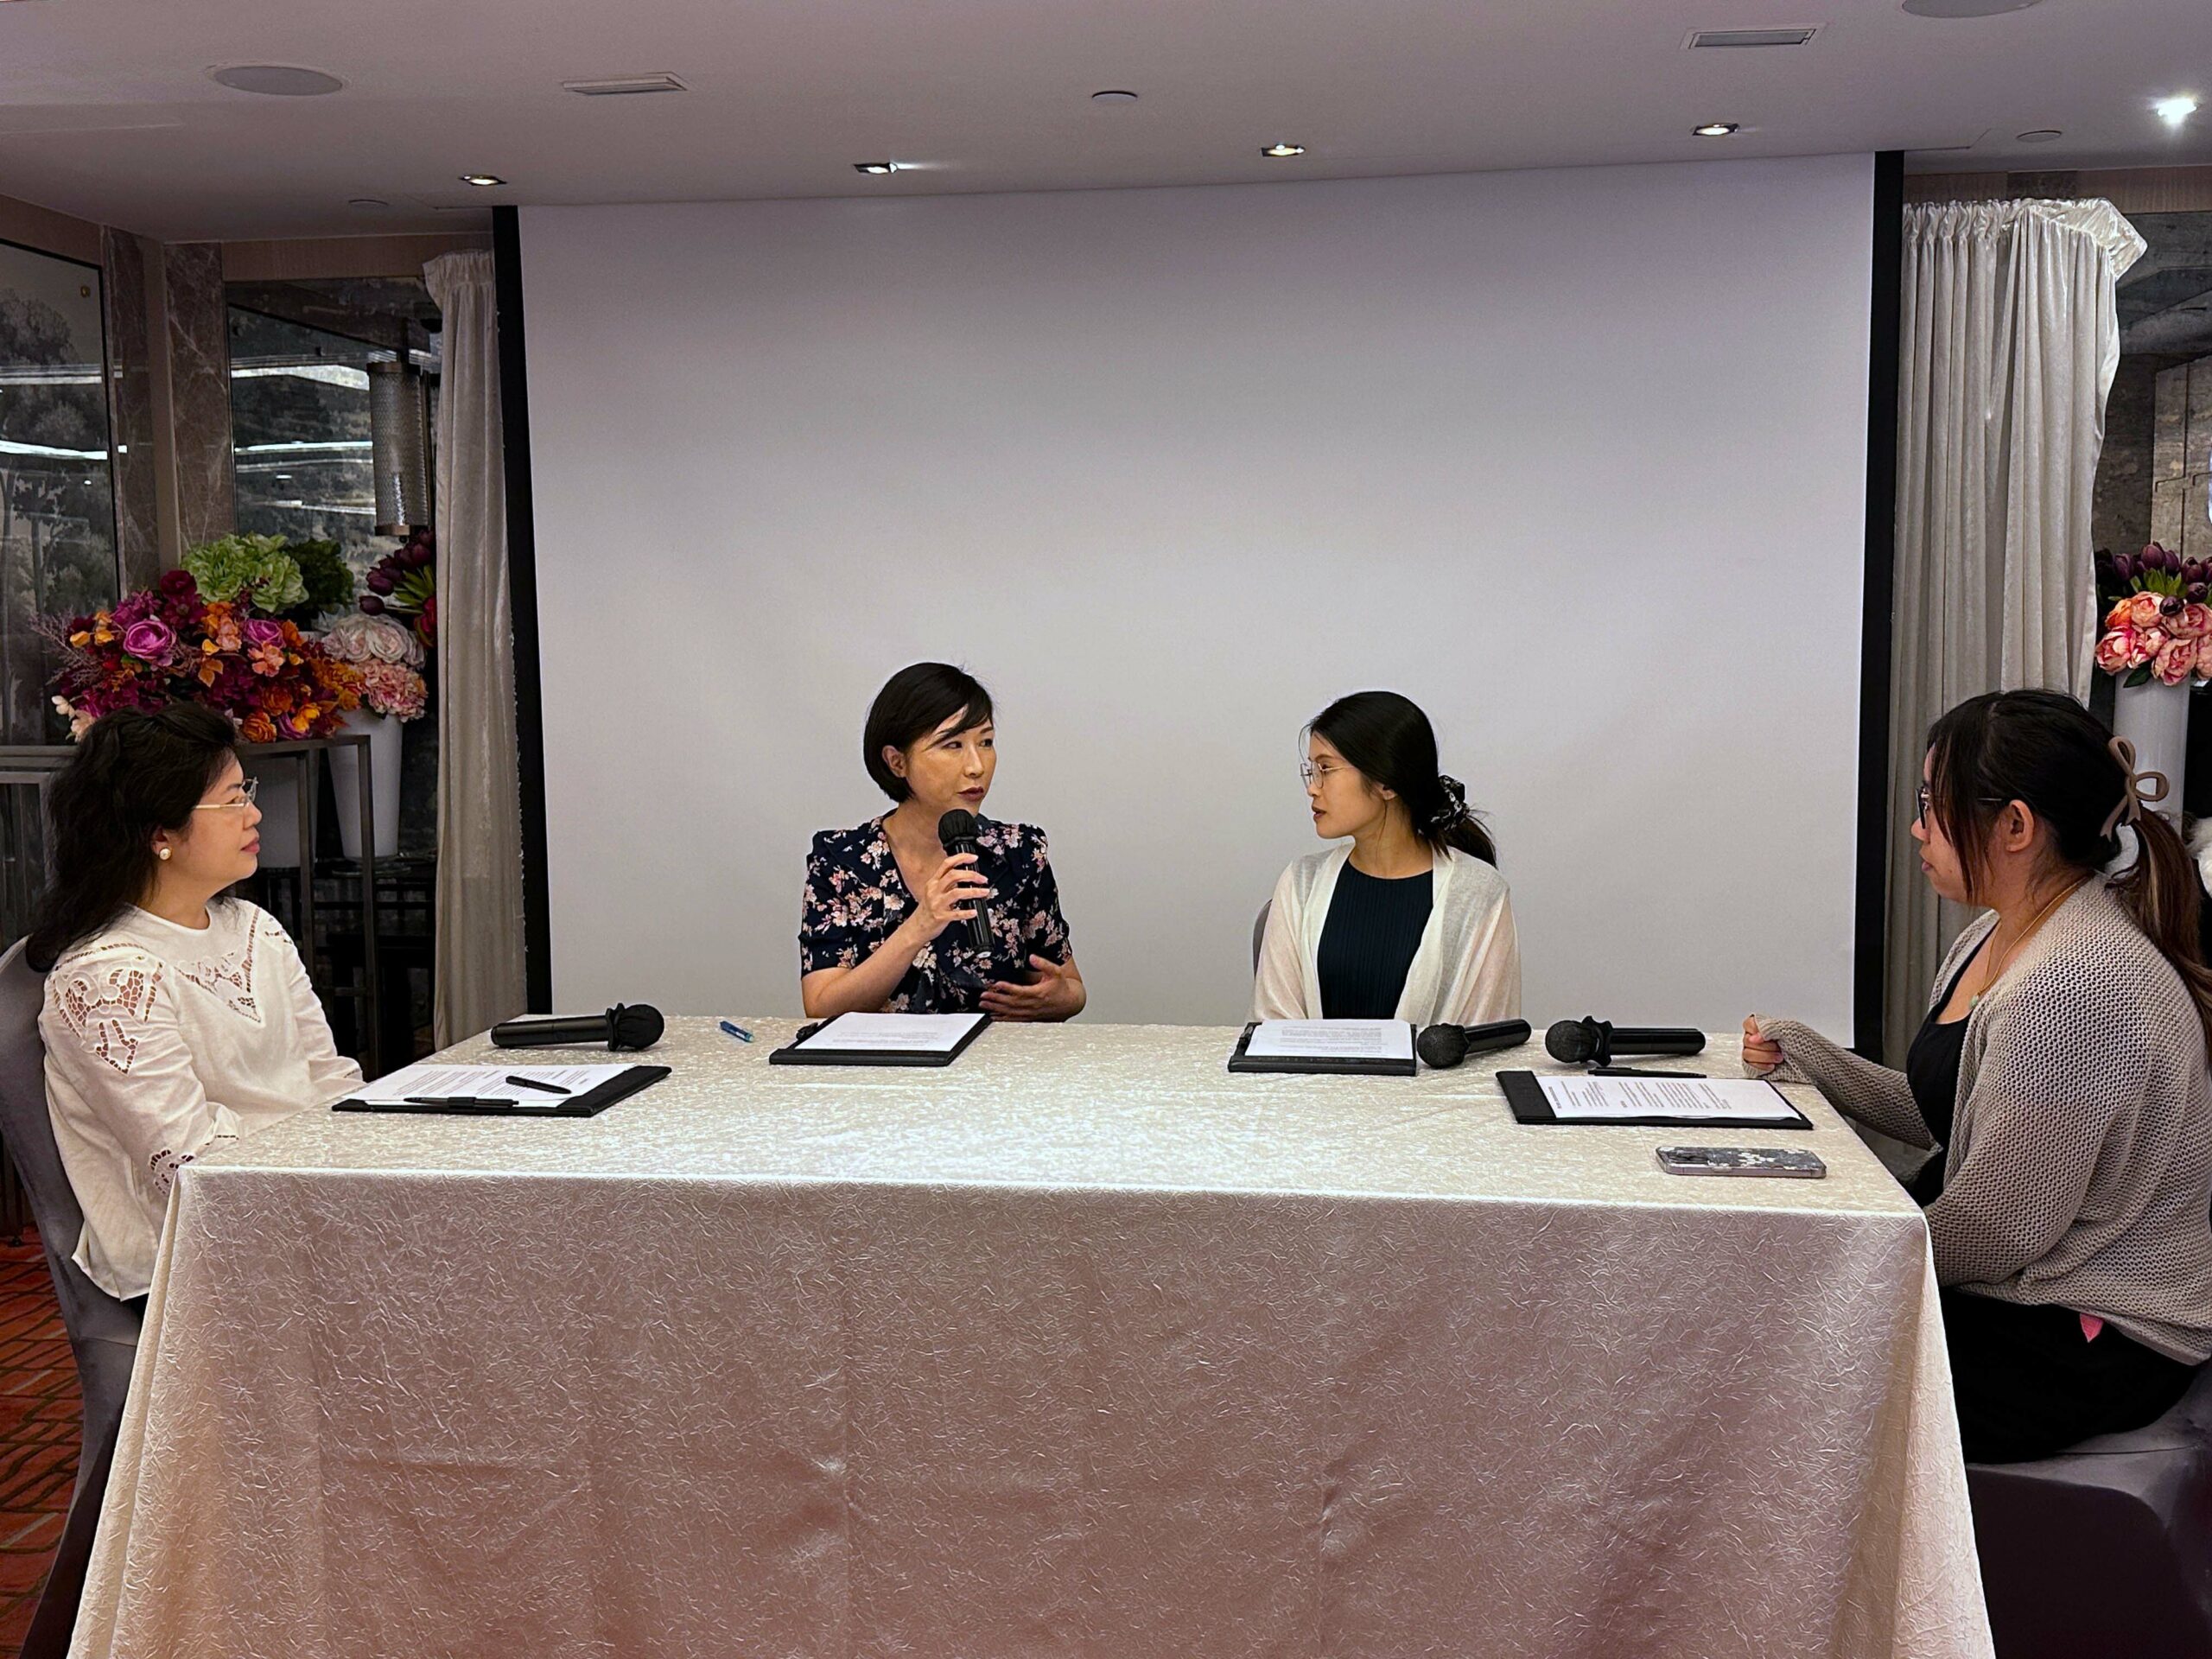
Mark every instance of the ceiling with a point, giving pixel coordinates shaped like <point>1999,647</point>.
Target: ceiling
<point>107,112</point>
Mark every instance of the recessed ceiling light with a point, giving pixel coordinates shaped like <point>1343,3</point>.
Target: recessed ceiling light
<point>275,79</point>
<point>1114,95</point>
<point>1966,7</point>
<point>1282,152</point>
<point>2175,111</point>
<point>2041,136</point>
<point>875,167</point>
<point>1718,129</point>
<point>482,181</point>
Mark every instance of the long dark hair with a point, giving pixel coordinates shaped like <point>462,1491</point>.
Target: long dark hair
<point>1389,740</point>
<point>914,702</point>
<point>2046,750</point>
<point>134,772</point>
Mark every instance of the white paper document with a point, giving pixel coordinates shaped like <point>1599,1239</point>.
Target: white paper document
<point>1331,1040</point>
<point>1599,1100</point>
<point>428,1080</point>
<point>901,1033</point>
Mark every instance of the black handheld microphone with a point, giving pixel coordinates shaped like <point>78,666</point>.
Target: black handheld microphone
<point>1592,1039</point>
<point>956,830</point>
<point>619,1027</point>
<point>1443,1047</point>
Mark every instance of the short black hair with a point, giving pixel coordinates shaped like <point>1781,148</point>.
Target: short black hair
<point>914,702</point>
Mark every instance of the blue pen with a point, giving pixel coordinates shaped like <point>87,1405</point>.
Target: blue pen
<point>738,1032</point>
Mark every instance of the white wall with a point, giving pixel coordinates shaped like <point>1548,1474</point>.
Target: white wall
<point>1575,459</point>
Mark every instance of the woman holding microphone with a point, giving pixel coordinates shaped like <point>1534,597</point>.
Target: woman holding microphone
<point>884,924</point>
<point>2060,1073</point>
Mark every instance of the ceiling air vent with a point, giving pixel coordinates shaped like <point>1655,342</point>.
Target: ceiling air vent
<point>624,87</point>
<point>1702,38</point>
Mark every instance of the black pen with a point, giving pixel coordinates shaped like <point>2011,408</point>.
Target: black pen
<point>532,1083</point>
<point>485,1105</point>
<point>1633,1071</point>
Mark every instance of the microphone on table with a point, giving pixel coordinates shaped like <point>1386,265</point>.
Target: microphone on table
<point>956,830</point>
<point>638,1026</point>
<point>1592,1040</point>
<point>1443,1047</point>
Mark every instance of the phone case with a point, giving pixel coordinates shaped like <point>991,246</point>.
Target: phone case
<point>1788,1164</point>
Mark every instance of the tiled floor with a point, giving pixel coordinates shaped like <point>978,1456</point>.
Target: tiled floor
<point>39,1426</point>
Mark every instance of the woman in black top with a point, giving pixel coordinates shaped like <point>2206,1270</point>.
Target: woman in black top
<point>1410,921</point>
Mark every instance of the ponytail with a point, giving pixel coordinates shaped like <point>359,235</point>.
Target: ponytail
<point>2164,894</point>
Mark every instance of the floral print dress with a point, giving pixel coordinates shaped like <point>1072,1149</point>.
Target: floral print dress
<point>856,898</point>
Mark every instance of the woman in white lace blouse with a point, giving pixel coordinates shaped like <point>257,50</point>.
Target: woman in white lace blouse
<point>175,1017</point>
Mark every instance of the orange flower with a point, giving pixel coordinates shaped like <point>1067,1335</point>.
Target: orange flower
<point>210,672</point>
<point>82,638</point>
<point>258,728</point>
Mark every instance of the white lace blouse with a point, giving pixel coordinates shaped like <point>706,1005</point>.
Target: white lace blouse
<point>161,1039</point>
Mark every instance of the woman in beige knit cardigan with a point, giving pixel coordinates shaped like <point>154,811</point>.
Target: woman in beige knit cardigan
<point>2061,1071</point>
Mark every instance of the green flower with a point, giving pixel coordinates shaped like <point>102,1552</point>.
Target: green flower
<point>227,568</point>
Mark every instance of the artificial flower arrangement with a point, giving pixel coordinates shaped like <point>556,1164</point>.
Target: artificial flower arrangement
<point>171,643</point>
<point>299,582</point>
<point>2159,626</point>
<point>404,584</point>
<point>389,659</point>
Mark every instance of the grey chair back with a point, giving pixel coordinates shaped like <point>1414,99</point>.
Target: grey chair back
<point>1260,932</point>
<point>88,1314</point>
<point>103,1331</point>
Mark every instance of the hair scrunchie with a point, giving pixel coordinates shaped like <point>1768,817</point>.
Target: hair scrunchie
<point>1454,807</point>
<point>2137,790</point>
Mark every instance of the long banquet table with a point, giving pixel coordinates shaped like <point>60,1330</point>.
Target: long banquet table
<point>1082,1347</point>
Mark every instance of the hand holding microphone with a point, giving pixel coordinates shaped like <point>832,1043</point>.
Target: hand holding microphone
<point>953,895</point>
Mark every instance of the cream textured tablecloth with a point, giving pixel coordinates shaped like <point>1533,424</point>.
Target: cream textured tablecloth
<point>1083,1346</point>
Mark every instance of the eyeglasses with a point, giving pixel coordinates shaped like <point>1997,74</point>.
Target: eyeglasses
<point>1921,800</point>
<point>248,788</point>
<point>1308,771</point>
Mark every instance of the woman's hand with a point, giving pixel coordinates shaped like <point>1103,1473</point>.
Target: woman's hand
<point>950,895</point>
<point>1761,1052</point>
<point>1057,993</point>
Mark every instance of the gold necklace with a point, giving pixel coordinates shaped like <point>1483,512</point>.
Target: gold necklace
<point>2026,933</point>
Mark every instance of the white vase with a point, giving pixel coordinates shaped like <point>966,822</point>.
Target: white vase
<point>278,795</point>
<point>2155,719</point>
<point>383,732</point>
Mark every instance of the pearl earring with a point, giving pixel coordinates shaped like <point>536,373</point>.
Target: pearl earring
<point>162,853</point>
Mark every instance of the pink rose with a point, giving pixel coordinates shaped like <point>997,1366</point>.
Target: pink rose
<point>150,640</point>
<point>2119,616</point>
<point>2143,611</point>
<point>260,631</point>
<point>2175,661</point>
<point>2149,642</point>
<point>2194,622</point>
<point>2116,651</point>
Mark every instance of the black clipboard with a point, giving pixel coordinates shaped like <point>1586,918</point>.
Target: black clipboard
<point>792,1054</point>
<point>590,1103</point>
<point>1526,1097</point>
<point>1336,1065</point>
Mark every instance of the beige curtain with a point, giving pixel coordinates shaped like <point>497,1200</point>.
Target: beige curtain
<point>2010,337</point>
<point>479,942</point>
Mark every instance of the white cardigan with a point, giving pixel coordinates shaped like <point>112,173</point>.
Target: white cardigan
<point>1466,972</point>
<point>160,1040</point>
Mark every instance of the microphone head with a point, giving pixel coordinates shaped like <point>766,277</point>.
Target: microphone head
<point>638,1026</point>
<point>956,825</point>
<point>1572,1041</point>
<point>1441,1046</point>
